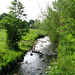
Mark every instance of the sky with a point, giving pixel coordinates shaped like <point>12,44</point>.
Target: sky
<point>32,7</point>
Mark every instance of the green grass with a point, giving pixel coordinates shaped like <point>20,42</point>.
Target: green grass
<point>28,41</point>
<point>65,64</point>
<point>8,56</point>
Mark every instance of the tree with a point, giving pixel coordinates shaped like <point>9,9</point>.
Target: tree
<point>59,21</point>
<point>14,26</point>
<point>37,24</point>
<point>31,23</point>
<point>17,9</point>
<point>66,10</point>
<point>1,17</point>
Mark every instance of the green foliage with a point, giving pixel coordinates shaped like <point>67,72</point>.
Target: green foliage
<point>9,57</point>
<point>59,23</point>
<point>66,57</point>
<point>31,23</point>
<point>14,30</point>
<point>14,26</point>
<point>51,23</point>
<point>64,66</point>
<point>1,17</point>
<point>37,24</point>
<point>28,40</point>
<point>17,9</point>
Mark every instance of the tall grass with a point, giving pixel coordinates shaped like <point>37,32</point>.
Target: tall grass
<point>65,64</point>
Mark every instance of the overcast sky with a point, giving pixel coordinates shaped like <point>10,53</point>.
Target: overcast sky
<point>32,7</point>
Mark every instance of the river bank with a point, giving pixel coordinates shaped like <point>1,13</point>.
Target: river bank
<point>65,64</point>
<point>9,58</point>
<point>36,60</point>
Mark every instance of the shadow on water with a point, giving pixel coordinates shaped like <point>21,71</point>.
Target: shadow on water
<point>37,60</point>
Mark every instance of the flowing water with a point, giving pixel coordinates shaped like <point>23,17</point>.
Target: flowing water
<point>38,59</point>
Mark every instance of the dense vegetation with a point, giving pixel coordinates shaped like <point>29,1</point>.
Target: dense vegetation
<point>8,57</point>
<point>60,26</point>
<point>14,25</point>
<point>58,23</point>
<point>15,36</point>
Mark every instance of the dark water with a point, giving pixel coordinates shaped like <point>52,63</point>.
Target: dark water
<point>36,62</point>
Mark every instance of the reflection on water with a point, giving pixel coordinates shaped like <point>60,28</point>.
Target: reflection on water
<point>35,63</point>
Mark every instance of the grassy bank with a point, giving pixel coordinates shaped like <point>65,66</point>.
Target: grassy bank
<point>65,64</point>
<point>9,57</point>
